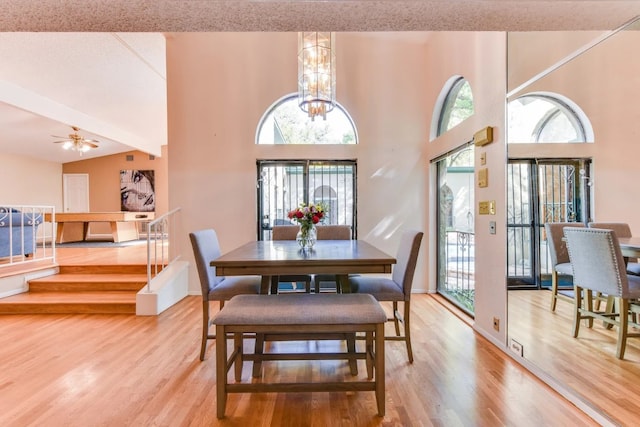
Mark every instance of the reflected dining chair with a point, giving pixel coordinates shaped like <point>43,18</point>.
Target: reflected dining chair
<point>598,265</point>
<point>560,263</point>
<point>288,232</point>
<point>398,287</point>
<point>215,288</point>
<point>330,232</point>
<point>621,229</point>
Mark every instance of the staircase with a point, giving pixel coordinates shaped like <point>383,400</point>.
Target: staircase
<point>81,289</point>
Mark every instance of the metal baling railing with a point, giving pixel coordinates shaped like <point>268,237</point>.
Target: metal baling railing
<point>159,239</point>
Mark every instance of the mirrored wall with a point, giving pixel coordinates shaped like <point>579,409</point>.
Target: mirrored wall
<point>599,74</point>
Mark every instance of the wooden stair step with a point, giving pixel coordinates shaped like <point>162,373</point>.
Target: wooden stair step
<point>104,269</point>
<point>88,282</point>
<point>113,302</point>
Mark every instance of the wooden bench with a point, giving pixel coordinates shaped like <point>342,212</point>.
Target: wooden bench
<point>305,315</point>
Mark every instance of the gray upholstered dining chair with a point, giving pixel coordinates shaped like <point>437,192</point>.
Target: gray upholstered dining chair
<point>288,232</point>
<point>560,263</point>
<point>398,287</point>
<point>598,265</point>
<point>330,232</point>
<point>621,229</point>
<point>215,288</point>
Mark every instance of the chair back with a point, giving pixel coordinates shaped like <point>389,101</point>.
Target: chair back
<point>284,232</point>
<point>597,260</point>
<point>205,249</point>
<point>557,246</point>
<point>334,232</point>
<point>406,260</point>
<point>621,229</point>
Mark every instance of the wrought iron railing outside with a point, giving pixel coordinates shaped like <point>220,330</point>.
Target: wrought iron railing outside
<point>160,237</point>
<point>25,237</point>
<point>460,267</point>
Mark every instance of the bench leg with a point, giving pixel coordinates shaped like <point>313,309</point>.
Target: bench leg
<point>379,369</point>
<point>369,354</point>
<point>237,343</point>
<point>258,350</point>
<point>221,370</point>
<point>351,349</point>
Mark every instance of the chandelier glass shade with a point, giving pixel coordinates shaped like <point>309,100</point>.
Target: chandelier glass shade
<point>316,73</point>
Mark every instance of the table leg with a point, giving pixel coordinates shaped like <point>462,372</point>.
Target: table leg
<point>265,284</point>
<point>342,281</point>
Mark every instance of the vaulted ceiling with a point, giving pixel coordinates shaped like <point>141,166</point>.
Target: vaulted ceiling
<point>100,65</point>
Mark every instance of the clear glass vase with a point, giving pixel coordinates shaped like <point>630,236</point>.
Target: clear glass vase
<point>307,236</point>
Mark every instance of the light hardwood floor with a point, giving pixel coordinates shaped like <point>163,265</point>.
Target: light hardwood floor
<point>587,364</point>
<point>124,370</point>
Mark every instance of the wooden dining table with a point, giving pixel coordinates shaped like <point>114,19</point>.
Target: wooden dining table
<point>630,246</point>
<point>271,258</point>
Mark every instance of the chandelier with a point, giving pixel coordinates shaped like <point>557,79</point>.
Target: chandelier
<point>316,73</point>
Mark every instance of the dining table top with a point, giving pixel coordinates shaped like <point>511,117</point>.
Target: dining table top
<point>271,258</point>
<point>278,257</point>
<point>630,246</point>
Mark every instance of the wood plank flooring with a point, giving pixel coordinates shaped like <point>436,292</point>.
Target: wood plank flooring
<point>587,364</point>
<point>118,370</point>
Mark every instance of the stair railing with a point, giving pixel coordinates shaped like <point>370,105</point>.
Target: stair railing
<point>26,234</point>
<point>159,239</point>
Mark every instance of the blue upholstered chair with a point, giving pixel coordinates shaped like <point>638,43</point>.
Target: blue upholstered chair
<point>216,288</point>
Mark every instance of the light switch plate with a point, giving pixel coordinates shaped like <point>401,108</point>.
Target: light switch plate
<point>487,207</point>
<point>483,177</point>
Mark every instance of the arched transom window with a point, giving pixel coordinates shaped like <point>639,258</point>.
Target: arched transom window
<point>546,118</point>
<point>285,123</point>
<point>456,104</point>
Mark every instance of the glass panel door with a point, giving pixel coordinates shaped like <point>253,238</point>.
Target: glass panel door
<point>456,248</point>
<point>541,191</point>
<point>284,185</point>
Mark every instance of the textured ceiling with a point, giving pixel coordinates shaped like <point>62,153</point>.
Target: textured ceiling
<point>104,68</point>
<point>296,15</point>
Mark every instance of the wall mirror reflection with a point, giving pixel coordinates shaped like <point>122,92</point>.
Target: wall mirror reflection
<point>574,145</point>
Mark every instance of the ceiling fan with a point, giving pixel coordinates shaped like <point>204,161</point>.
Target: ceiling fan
<point>76,142</point>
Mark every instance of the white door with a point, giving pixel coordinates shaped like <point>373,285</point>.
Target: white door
<point>75,189</point>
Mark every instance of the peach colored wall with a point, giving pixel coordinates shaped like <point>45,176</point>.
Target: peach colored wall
<point>220,84</point>
<point>480,58</point>
<point>104,181</point>
<point>30,182</point>
<point>605,83</point>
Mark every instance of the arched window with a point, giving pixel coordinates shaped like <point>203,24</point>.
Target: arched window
<point>455,104</point>
<point>547,118</point>
<point>285,123</point>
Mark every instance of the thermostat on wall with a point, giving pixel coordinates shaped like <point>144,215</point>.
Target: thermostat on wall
<point>483,136</point>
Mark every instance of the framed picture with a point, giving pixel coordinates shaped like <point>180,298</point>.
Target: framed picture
<point>137,191</point>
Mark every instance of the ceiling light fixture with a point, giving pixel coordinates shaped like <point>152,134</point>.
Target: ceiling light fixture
<point>76,142</point>
<point>316,73</point>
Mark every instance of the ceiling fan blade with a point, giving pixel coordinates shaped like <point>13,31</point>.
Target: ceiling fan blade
<point>64,140</point>
<point>95,141</point>
<point>58,136</point>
